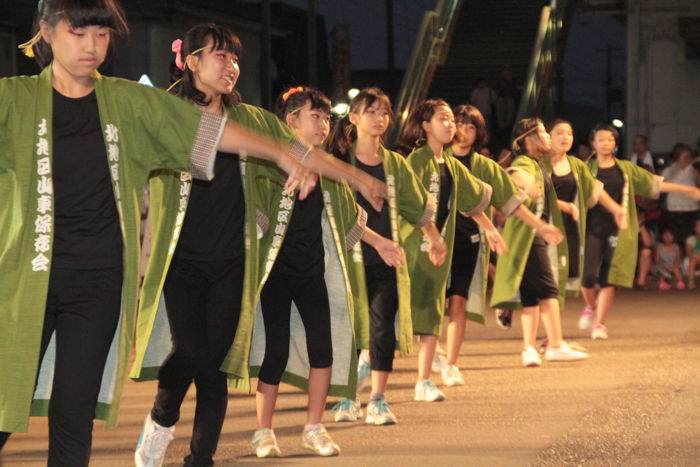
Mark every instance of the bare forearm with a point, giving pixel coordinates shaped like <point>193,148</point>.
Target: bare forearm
<point>236,139</point>
<point>484,222</point>
<point>430,230</point>
<point>333,168</point>
<point>608,203</point>
<point>526,216</point>
<point>371,238</point>
<point>688,190</point>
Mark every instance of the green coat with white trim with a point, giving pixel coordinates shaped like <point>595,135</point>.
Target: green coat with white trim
<point>410,208</point>
<point>169,195</point>
<point>144,129</point>
<point>519,237</point>
<point>506,197</point>
<point>469,196</point>
<point>343,223</point>
<point>638,181</point>
<point>588,191</point>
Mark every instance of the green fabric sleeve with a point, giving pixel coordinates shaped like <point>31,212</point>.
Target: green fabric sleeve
<point>473,195</point>
<point>179,136</point>
<point>643,182</point>
<point>506,197</point>
<point>413,201</point>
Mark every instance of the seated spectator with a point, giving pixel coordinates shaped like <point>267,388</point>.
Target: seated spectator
<point>681,211</point>
<point>640,153</point>
<point>692,254</point>
<point>646,253</point>
<point>668,261</point>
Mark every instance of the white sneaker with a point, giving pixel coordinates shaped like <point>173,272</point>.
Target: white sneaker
<point>152,444</point>
<point>426,391</point>
<point>530,357</point>
<point>379,413</point>
<point>347,410</point>
<point>451,376</point>
<point>265,443</point>
<point>318,440</point>
<point>563,353</point>
<point>599,332</point>
<point>363,371</point>
<point>438,363</point>
<point>586,318</point>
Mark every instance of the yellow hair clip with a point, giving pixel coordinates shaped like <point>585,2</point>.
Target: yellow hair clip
<point>28,47</point>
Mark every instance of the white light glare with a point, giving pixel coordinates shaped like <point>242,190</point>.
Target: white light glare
<point>341,108</point>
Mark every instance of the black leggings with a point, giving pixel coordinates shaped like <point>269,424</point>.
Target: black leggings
<point>600,248</point>
<point>82,308</point>
<point>465,255</point>
<point>203,299</point>
<point>311,298</point>
<point>383,299</point>
<point>538,279</point>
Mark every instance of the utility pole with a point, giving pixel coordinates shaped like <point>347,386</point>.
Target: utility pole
<point>311,35</point>
<point>390,35</point>
<point>266,56</point>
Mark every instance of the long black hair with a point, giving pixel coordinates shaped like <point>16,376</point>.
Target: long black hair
<point>195,39</point>
<point>466,114</point>
<point>413,134</point>
<point>80,14</point>
<point>344,132</point>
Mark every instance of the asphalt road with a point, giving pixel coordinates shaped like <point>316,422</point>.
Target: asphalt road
<point>636,401</point>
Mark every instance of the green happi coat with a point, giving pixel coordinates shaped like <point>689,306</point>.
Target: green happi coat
<point>410,208</point>
<point>519,237</point>
<point>506,197</point>
<point>169,195</point>
<point>343,223</point>
<point>588,191</point>
<point>469,196</point>
<point>638,182</point>
<point>144,129</point>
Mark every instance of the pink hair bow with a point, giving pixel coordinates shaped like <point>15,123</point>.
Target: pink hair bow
<point>177,48</point>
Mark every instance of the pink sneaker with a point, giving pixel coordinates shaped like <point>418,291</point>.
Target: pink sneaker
<point>664,286</point>
<point>680,285</point>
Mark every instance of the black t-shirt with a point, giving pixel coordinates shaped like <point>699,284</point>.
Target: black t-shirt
<point>87,234</point>
<point>213,228</point>
<point>599,219</point>
<point>443,207</point>
<point>302,251</point>
<point>566,189</point>
<point>377,221</point>
<point>466,226</point>
<point>548,184</point>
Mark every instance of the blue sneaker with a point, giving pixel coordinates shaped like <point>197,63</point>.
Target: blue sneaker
<point>347,410</point>
<point>379,413</point>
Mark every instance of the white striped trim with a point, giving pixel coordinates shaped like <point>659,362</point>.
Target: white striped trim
<point>206,142</point>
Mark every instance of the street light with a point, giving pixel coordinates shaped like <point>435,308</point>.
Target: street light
<point>340,109</point>
<point>352,93</point>
<point>618,123</point>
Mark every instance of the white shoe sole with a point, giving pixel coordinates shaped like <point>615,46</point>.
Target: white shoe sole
<point>322,454</point>
<point>345,418</point>
<point>379,421</point>
<point>565,358</point>
<point>422,399</point>
<point>271,453</point>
